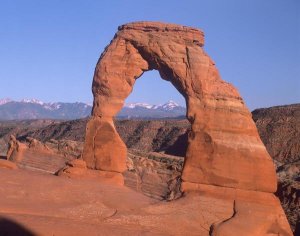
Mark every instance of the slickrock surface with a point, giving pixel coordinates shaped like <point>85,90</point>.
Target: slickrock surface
<point>7,164</point>
<point>52,205</point>
<point>156,175</point>
<point>46,157</point>
<point>222,129</point>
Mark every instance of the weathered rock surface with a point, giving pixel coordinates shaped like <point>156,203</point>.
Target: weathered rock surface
<point>77,169</point>
<point>7,164</point>
<point>156,175</point>
<point>103,137</point>
<point>50,205</point>
<point>222,129</point>
<point>35,155</point>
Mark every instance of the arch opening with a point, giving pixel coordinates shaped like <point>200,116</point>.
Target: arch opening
<point>152,89</point>
<point>155,131</point>
<point>156,115</point>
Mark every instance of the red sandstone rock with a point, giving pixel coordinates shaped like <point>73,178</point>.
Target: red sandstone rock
<point>225,155</point>
<point>77,169</point>
<point>36,155</point>
<point>7,164</point>
<point>87,174</point>
<point>105,145</point>
<point>224,146</point>
<point>62,206</point>
<point>78,163</point>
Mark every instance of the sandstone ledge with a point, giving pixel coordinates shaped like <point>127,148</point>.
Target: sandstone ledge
<point>7,164</point>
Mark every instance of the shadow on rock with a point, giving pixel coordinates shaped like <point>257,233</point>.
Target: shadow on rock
<point>9,227</point>
<point>180,146</point>
<point>297,229</point>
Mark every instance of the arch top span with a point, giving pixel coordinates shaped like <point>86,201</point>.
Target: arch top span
<point>190,34</point>
<point>224,145</point>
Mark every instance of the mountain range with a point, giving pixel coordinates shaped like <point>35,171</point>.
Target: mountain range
<point>35,109</point>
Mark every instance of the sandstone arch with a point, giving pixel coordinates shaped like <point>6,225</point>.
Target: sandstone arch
<point>224,146</point>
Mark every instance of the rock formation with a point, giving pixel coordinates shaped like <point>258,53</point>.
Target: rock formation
<point>7,164</point>
<point>47,157</point>
<point>224,146</point>
<point>225,156</point>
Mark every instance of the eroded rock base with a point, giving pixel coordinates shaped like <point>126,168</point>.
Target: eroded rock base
<point>254,213</point>
<point>77,169</point>
<point>51,205</point>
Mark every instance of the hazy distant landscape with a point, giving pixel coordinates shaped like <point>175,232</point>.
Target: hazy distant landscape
<point>35,109</point>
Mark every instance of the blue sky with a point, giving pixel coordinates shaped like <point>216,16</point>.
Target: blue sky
<point>49,49</point>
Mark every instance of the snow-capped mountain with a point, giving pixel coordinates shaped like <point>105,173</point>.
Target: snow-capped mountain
<point>36,109</point>
<point>144,110</point>
<point>170,105</point>
<point>4,101</point>
<point>33,101</point>
<point>138,104</point>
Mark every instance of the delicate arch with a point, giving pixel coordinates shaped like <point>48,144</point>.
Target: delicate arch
<point>224,146</point>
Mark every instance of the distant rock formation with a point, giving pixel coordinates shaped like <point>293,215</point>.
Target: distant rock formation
<point>225,156</point>
<point>279,129</point>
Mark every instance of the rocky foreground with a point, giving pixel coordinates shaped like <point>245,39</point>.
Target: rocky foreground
<point>156,148</point>
<point>81,207</point>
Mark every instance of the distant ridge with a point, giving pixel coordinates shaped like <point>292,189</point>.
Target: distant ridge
<point>36,109</point>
